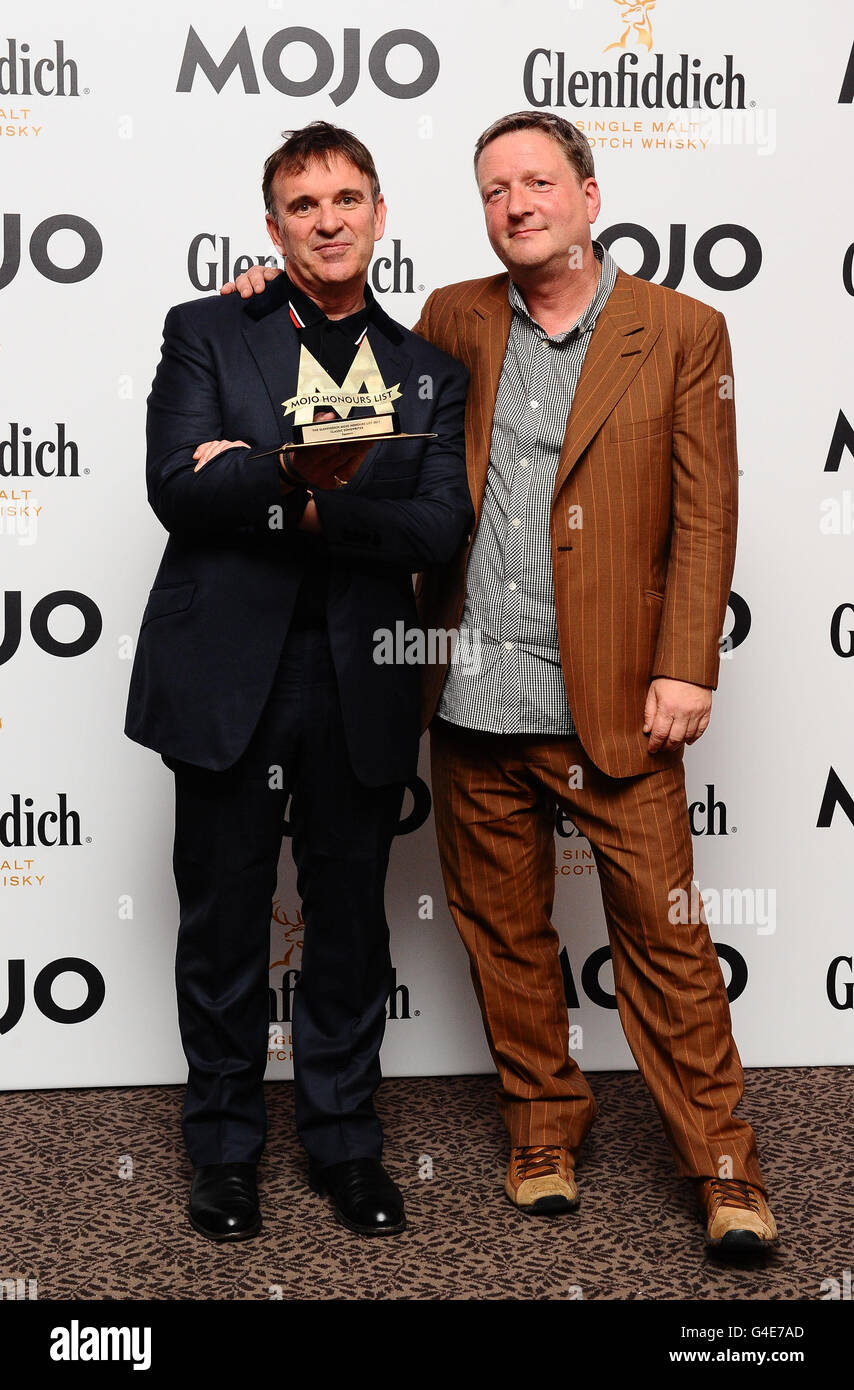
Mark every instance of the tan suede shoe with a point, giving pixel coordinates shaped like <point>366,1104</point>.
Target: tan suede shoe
<point>540,1180</point>
<point>737,1216</point>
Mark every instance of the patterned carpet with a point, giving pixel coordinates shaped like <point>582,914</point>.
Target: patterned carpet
<point>93,1186</point>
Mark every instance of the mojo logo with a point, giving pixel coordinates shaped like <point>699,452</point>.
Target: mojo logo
<point>835,794</point>
<point>741,623</point>
<point>708,817</point>
<point>702,253</point>
<point>846,91</point>
<point>841,443</point>
<point>24,457</point>
<point>593,987</point>
<point>548,81</point>
<point>275,59</point>
<point>88,255</point>
<point>412,817</point>
<point>40,618</point>
<point>43,992</point>
<point>210,265</point>
<point>24,828</point>
<point>23,75</point>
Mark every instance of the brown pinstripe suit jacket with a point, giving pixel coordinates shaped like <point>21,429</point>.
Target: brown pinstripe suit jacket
<point>649,455</point>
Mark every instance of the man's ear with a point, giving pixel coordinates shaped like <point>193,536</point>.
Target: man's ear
<point>379,217</point>
<point>275,234</point>
<point>593,197</point>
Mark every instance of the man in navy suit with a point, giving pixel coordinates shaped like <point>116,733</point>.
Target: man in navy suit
<point>256,676</point>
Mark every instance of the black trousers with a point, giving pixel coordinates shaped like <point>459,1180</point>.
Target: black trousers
<point>228,834</point>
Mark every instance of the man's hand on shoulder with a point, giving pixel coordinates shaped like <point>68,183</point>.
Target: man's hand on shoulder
<point>675,712</point>
<point>251,281</point>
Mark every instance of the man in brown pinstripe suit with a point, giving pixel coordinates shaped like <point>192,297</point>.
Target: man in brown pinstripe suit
<point>599,628</point>
<point>600,439</point>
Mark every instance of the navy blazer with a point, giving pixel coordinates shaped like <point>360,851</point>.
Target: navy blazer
<point>223,598</point>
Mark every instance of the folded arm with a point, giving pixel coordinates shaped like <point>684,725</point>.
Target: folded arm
<point>419,531</point>
<point>235,489</point>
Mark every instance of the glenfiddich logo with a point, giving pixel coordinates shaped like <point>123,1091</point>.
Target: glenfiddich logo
<point>281,995</point>
<point>24,827</point>
<point>684,87</point>
<point>21,456</point>
<point>25,74</point>
<point>292,935</point>
<point>634,83</point>
<point>211,262</point>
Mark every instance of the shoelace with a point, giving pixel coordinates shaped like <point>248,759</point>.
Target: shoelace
<point>733,1192</point>
<point>536,1161</point>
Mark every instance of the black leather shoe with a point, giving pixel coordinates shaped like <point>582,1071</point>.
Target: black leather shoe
<point>364,1196</point>
<point>224,1201</point>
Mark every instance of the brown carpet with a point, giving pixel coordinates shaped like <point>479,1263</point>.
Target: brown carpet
<point>74,1223</point>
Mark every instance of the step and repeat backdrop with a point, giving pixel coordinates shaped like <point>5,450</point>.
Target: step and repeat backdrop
<point>132,141</point>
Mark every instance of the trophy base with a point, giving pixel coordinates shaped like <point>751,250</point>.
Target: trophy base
<point>362,437</point>
<point>347,431</point>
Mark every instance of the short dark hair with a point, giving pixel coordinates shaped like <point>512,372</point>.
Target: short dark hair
<point>318,140</point>
<point>574,145</point>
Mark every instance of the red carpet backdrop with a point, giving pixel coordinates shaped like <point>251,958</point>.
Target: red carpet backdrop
<point>132,141</point>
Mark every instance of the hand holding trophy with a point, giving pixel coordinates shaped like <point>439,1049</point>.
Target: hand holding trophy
<point>324,465</point>
<point>329,442</point>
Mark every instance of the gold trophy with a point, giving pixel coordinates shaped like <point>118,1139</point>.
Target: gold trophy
<point>362,389</point>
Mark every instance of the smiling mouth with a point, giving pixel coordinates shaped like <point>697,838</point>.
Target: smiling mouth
<point>526,231</point>
<point>334,246</point>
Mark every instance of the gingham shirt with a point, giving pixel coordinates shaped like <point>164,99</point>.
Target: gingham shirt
<point>510,680</point>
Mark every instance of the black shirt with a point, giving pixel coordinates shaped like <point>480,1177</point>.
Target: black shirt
<point>333,342</point>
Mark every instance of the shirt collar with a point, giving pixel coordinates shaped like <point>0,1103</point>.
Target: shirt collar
<point>585,324</point>
<point>305,313</point>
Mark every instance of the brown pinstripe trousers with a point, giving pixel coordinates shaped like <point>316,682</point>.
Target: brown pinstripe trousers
<point>494,798</point>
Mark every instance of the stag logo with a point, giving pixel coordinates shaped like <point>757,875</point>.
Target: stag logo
<point>637,29</point>
<point>291,938</point>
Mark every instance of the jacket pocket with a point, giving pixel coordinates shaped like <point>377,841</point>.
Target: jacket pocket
<point>654,594</point>
<point>640,429</point>
<point>173,598</point>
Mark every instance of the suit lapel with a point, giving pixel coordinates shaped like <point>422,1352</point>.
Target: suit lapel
<point>274,344</point>
<point>483,332</point>
<point>619,345</point>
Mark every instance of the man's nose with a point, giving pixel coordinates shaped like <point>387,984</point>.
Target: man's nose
<point>328,218</point>
<point>518,201</point>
